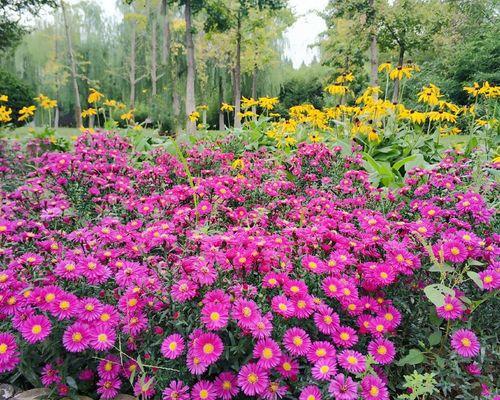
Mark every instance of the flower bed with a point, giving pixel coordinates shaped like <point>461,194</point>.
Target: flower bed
<point>212,277</point>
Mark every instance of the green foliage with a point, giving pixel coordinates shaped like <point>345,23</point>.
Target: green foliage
<point>20,95</point>
<point>420,385</point>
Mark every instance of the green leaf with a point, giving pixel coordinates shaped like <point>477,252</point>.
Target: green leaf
<point>435,338</point>
<point>475,277</point>
<point>414,357</point>
<point>397,165</point>
<point>436,293</point>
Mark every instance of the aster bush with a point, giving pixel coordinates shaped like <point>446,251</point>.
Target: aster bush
<point>202,276</point>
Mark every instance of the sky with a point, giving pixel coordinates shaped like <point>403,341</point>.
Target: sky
<point>300,35</point>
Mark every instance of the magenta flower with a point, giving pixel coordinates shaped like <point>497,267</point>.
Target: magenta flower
<point>203,390</point>
<point>176,390</point>
<point>76,337</point>
<point>310,392</point>
<point>268,353</point>
<point>214,316</point>
<point>382,350</point>
<point>226,386</point>
<point>102,337</point>
<point>172,346</point>
<point>207,347</point>
<point>296,341</point>
<point>36,328</point>
<point>252,380</point>
<point>9,354</point>
<point>324,369</point>
<point>465,343</point>
<point>451,309</point>
<point>109,388</point>
<point>352,361</point>
<point>343,388</point>
<point>372,388</point>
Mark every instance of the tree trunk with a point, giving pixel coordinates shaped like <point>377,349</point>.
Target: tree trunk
<point>373,61</point>
<point>395,93</point>
<point>78,107</point>
<point>237,76</point>
<point>132,79</point>
<point>221,100</point>
<point>254,90</point>
<point>58,87</point>
<point>154,77</point>
<point>190,94</point>
<point>165,49</point>
<point>373,47</point>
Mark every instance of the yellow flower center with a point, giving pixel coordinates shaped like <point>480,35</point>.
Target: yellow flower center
<point>214,316</point>
<point>3,348</point>
<point>287,366</point>
<point>36,329</point>
<point>455,251</point>
<point>352,360</point>
<point>267,353</point>
<point>208,348</point>
<point>77,337</point>
<point>247,311</point>
<point>64,305</point>
<point>466,342</point>
<point>344,336</point>
<point>102,337</point>
<point>297,341</point>
<point>252,378</point>
<point>374,391</point>
<point>448,307</point>
<point>324,369</point>
<point>488,279</point>
<point>321,352</point>
<point>382,350</point>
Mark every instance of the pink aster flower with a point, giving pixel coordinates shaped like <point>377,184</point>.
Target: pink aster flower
<point>283,306</point>
<point>310,392</point>
<point>183,290</point>
<point>76,337</point>
<point>144,387</point>
<point>490,279</point>
<point>343,388</point>
<point>320,350</point>
<point>102,337</point>
<point>226,386</point>
<point>465,343</point>
<point>9,354</point>
<point>261,327</point>
<point>176,390</point>
<point>109,388</point>
<point>36,328</point>
<point>288,367</point>
<point>109,367</point>
<point>296,341</point>
<point>326,320</point>
<point>252,379</point>
<point>352,361</point>
<point>345,336</point>
<point>173,346</point>
<point>451,309</point>
<point>214,316</point>
<point>324,369</point>
<point>88,309</point>
<point>382,350</point>
<point>50,375</point>
<point>268,353</point>
<point>208,347</point>
<point>195,365</point>
<point>454,251</point>
<point>372,388</point>
<point>245,312</point>
<point>203,390</point>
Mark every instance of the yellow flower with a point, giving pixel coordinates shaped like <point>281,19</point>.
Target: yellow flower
<point>48,103</point>
<point>238,164</point>
<point>4,97</point>
<point>127,116</point>
<point>194,116</point>
<point>94,96</point>
<point>137,127</point>
<point>336,90</point>
<point>268,102</point>
<point>227,107</point>
<point>41,98</point>
<point>345,77</point>
<point>472,90</point>
<point>481,122</point>
<point>247,103</point>
<point>401,72</point>
<point>387,66</point>
<point>5,113</point>
<point>368,95</point>
<point>373,136</point>
<point>202,107</point>
<point>442,116</point>
<point>26,112</point>
<point>315,137</point>
<point>496,160</point>
<point>110,103</point>
<point>88,112</point>
<point>430,95</point>
<point>275,115</point>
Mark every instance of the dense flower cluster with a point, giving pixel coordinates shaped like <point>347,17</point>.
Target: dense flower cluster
<point>240,277</point>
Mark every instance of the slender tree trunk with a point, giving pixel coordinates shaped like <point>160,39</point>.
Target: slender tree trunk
<point>221,100</point>
<point>395,93</point>
<point>78,107</point>
<point>176,101</point>
<point>373,60</point>
<point>237,76</point>
<point>254,90</point>
<point>132,79</point>
<point>190,79</point>
<point>154,76</point>
<point>165,49</point>
<point>373,47</point>
<point>58,87</point>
